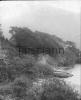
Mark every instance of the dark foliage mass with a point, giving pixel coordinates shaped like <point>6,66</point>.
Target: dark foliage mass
<point>24,38</point>
<point>37,42</point>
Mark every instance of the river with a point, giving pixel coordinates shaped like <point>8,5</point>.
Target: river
<point>74,81</point>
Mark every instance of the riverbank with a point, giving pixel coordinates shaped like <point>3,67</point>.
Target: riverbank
<point>74,81</point>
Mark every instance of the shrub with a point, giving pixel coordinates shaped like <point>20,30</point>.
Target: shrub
<point>19,89</point>
<point>43,71</point>
<point>3,74</point>
<point>52,89</point>
<point>55,89</point>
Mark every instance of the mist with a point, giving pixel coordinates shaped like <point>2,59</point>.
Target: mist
<point>53,18</point>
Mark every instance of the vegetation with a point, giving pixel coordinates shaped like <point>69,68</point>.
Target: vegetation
<point>50,89</point>
<point>24,38</point>
<point>23,77</point>
<point>39,42</point>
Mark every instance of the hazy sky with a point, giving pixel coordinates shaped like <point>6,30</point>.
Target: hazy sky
<point>61,18</point>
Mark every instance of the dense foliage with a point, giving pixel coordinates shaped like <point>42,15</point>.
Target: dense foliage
<point>26,76</point>
<point>24,38</point>
<point>37,42</point>
<point>50,89</point>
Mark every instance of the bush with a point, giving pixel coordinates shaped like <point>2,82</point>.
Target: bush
<point>52,89</point>
<point>20,88</point>
<point>43,71</point>
<point>55,89</point>
<point>3,74</point>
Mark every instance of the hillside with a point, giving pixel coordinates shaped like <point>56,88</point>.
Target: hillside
<point>37,42</point>
<point>34,75</point>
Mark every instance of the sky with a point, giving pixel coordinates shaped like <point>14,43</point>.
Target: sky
<point>61,18</point>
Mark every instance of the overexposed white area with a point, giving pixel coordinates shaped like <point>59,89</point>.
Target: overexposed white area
<point>61,18</point>
<point>75,80</point>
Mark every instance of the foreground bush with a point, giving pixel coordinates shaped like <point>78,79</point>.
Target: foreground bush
<point>53,89</point>
<point>41,89</point>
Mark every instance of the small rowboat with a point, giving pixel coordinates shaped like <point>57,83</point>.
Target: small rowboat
<point>61,74</point>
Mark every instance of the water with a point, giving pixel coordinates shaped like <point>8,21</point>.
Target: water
<point>74,81</point>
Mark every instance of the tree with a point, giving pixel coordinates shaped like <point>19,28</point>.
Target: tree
<point>25,39</point>
<point>71,44</point>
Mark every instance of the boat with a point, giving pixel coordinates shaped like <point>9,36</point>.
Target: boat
<point>62,74</point>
